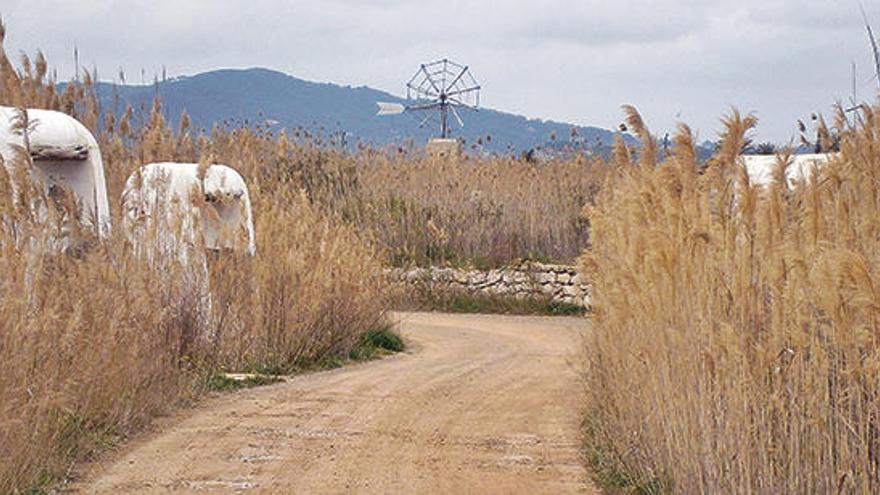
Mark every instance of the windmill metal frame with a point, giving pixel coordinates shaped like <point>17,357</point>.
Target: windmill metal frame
<point>445,86</point>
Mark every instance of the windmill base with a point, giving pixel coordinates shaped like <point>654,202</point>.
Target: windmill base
<point>445,148</point>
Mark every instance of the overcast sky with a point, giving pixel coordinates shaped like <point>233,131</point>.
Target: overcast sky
<point>569,60</point>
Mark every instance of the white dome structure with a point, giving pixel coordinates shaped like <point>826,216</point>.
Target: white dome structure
<point>65,154</point>
<point>171,217</point>
<point>166,191</point>
<point>800,167</point>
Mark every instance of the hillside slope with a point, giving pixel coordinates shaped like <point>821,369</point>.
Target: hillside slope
<point>260,95</point>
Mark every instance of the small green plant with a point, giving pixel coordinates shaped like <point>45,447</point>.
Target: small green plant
<point>461,301</point>
<point>222,382</point>
<point>377,342</point>
<point>558,308</point>
<point>609,470</point>
<point>384,338</point>
<point>372,344</point>
<point>43,484</point>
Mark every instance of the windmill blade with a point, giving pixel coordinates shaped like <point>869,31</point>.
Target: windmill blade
<point>457,78</point>
<point>463,91</point>
<point>464,104</point>
<point>426,106</point>
<point>386,108</point>
<point>430,78</point>
<point>425,120</point>
<point>420,92</point>
<point>457,116</point>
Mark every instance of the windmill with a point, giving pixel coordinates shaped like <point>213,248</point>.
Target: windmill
<point>437,90</point>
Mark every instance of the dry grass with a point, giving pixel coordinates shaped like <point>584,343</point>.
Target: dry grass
<point>736,346</point>
<point>483,212</point>
<point>95,343</point>
<point>419,210</point>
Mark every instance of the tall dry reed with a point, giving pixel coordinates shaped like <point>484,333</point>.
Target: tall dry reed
<point>95,342</point>
<point>736,346</point>
<point>480,211</point>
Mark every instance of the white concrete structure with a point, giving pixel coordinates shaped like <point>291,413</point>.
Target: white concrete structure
<point>443,148</point>
<point>66,155</point>
<point>171,216</point>
<point>167,192</point>
<point>760,167</point>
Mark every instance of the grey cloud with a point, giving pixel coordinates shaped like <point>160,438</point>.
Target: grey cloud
<point>560,59</point>
<point>825,15</point>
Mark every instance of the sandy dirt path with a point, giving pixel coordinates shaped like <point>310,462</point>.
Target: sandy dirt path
<point>479,404</point>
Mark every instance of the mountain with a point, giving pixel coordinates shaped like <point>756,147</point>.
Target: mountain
<point>254,96</point>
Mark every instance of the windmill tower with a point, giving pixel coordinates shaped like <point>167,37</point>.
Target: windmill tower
<point>436,91</point>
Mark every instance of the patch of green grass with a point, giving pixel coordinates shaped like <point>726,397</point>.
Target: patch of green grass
<point>556,308</point>
<point>43,485</point>
<point>469,304</point>
<point>325,363</point>
<point>458,301</point>
<point>78,437</point>
<point>377,342</point>
<point>611,472</point>
<point>271,369</point>
<point>371,344</point>
<point>385,339</point>
<point>221,382</point>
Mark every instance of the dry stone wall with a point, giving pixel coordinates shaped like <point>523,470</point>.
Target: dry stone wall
<point>561,283</point>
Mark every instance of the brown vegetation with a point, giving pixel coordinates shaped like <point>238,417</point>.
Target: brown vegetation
<point>736,346</point>
<point>94,343</point>
<point>482,212</point>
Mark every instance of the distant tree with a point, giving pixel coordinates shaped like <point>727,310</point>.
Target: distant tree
<point>764,149</point>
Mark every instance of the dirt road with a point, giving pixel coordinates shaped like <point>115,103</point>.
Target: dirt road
<point>479,404</point>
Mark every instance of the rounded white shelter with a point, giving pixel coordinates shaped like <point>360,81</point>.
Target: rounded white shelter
<point>800,167</point>
<point>174,193</point>
<point>66,155</point>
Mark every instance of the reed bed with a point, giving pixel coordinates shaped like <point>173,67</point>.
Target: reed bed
<point>736,346</point>
<point>96,341</point>
<point>480,211</point>
<point>483,212</point>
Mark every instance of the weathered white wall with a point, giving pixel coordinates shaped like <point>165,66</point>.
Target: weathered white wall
<point>65,154</point>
